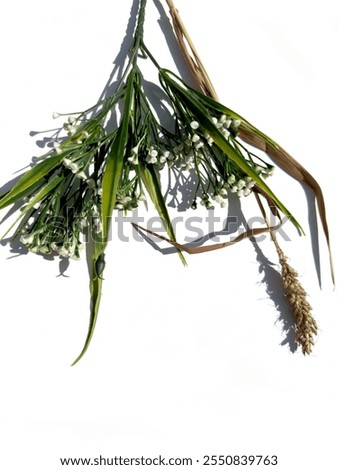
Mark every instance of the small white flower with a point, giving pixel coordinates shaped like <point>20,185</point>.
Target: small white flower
<point>227,123</point>
<point>72,130</point>
<point>141,198</point>
<point>195,138</point>
<point>194,125</point>
<point>81,175</point>
<point>44,249</point>
<point>214,120</point>
<point>125,200</point>
<point>240,192</point>
<point>163,159</point>
<point>85,135</point>
<point>210,140</point>
<point>63,252</point>
<point>247,179</point>
<point>134,150</point>
<point>223,204</point>
<point>67,162</point>
<point>27,239</point>
<point>150,159</point>
<point>226,133</point>
<point>118,206</point>
<point>37,205</point>
<point>234,189</point>
<point>198,145</point>
<point>74,167</point>
<point>71,119</point>
<point>231,179</point>
<point>57,147</point>
<point>240,184</point>
<point>152,152</point>
<point>246,192</point>
<point>218,198</point>
<point>99,192</point>
<point>251,184</point>
<point>55,115</point>
<point>133,159</point>
<point>223,118</point>
<point>236,123</point>
<point>223,192</point>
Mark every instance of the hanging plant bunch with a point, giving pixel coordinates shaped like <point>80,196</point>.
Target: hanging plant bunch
<point>92,170</point>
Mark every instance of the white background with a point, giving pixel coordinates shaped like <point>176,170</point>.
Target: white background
<point>184,362</point>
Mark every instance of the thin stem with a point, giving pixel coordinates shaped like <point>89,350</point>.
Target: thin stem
<point>139,32</point>
<point>151,57</point>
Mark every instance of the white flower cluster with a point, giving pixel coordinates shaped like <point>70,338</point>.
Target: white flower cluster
<point>241,186</point>
<point>154,156</point>
<point>70,249</point>
<point>129,202</point>
<point>36,243</point>
<point>74,167</point>
<point>72,128</point>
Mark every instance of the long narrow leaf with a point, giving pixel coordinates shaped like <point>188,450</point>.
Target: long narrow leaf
<point>198,110</point>
<point>95,294</point>
<point>110,183</point>
<point>152,185</point>
<point>113,169</point>
<point>30,180</point>
<point>50,186</point>
<point>217,106</point>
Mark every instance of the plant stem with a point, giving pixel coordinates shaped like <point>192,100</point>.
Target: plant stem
<point>139,32</point>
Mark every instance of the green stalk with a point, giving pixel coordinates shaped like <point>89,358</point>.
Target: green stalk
<point>112,176</point>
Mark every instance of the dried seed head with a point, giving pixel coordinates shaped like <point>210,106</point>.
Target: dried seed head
<point>305,325</point>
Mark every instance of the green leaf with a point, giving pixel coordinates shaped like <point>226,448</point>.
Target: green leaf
<point>95,295</point>
<point>202,116</point>
<point>114,165</point>
<point>217,106</point>
<point>30,180</point>
<point>110,184</point>
<point>50,186</point>
<point>152,185</point>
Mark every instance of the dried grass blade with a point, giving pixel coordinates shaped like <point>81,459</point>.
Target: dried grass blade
<point>192,58</point>
<point>253,232</point>
<point>293,168</point>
